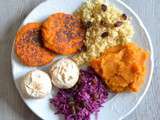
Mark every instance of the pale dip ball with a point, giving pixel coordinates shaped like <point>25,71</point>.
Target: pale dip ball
<point>36,84</point>
<point>64,73</point>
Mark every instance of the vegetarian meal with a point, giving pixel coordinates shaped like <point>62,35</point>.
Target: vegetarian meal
<point>100,58</point>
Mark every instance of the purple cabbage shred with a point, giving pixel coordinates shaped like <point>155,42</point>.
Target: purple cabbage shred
<point>86,97</point>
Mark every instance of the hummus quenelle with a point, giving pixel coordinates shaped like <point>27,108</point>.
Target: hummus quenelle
<point>64,73</point>
<point>36,84</point>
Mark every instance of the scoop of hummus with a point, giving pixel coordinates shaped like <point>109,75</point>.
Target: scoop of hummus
<point>64,73</point>
<point>36,84</point>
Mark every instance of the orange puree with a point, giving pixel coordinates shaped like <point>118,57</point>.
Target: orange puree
<point>122,67</point>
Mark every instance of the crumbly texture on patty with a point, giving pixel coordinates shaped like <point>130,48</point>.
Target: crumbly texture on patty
<point>106,26</point>
<point>29,47</point>
<point>63,33</point>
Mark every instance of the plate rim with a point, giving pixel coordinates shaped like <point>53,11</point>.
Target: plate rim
<point>151,57</point>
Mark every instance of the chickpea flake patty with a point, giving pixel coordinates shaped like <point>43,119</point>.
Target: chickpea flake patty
<point>29,47</point>
<point>63,33</point>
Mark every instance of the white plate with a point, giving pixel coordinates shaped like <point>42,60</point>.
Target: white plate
<point>121,104</point>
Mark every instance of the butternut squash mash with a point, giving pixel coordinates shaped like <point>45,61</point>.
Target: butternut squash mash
<point>122,67</point>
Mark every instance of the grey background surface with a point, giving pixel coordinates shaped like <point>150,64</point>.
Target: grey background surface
<point>12,13</point>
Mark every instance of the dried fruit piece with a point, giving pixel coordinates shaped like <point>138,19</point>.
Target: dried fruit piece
<point>105,34</point>
<point>88,24</point>
<point>118,24</point>
<point>124,16</point>
<point>104,7</point>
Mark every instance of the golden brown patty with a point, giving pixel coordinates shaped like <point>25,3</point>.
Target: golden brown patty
<point>29,46</point>
<point>63,33</point>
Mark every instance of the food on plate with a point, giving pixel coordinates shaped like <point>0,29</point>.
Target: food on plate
<point>63,33</point>
<point>106,26</point>
<point>83,99</point>
<point>36,84</point>
<point>100,57</point>
<point>64,73</point>
<point>122,67</point>
<point>29,47</point>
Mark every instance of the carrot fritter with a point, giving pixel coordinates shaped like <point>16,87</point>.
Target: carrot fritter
<point>63,33</point>
<point>29,47</point>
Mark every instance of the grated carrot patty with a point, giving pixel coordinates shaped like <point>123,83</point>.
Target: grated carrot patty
<point>29,47</point>
<point>63,33</point>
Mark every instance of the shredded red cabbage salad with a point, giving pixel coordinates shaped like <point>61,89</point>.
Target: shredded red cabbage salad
<point>86,97</point>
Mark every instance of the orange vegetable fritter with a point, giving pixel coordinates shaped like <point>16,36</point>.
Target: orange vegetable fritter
<point>63,33</point>
<point>29,47</point>
<point>122,67</point>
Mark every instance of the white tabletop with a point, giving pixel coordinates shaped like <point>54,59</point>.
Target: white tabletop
<point>12,13</point>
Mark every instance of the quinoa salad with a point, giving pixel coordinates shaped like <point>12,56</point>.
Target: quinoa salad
<point>106,26</point>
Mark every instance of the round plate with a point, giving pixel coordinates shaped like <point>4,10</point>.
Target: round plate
<point>118,106</point>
